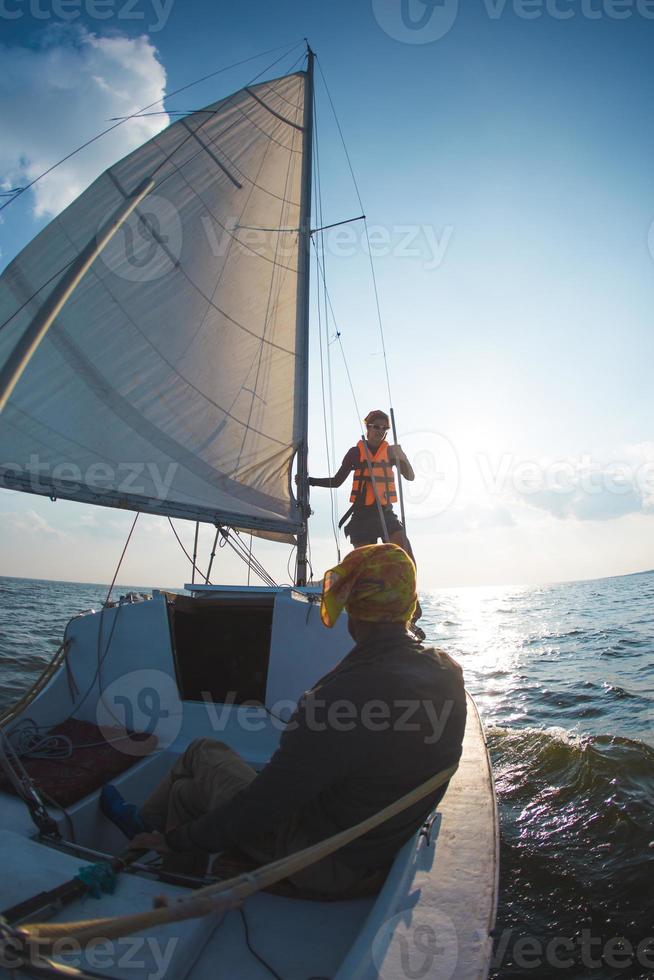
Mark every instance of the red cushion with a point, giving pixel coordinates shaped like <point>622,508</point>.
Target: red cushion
<point>96,759</point>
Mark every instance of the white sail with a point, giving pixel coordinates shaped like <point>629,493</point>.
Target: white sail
<point>170,383</point>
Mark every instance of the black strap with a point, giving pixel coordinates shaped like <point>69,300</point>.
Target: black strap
<point>346,515</point>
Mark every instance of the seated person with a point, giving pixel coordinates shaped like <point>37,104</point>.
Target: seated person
<point>388,717</point>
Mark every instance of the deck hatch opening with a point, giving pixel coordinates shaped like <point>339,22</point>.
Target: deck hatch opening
<point>222,647</point>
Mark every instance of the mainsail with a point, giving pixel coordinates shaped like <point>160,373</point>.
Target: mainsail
<point>171,382</point>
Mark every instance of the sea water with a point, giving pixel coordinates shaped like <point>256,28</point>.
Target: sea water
<point>564,679</point>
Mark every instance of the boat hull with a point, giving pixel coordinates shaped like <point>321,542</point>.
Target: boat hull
<point>436,910</point>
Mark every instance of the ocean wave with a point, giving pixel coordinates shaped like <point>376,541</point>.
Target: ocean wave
<point>576,822</point>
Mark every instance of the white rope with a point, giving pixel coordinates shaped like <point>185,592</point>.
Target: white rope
<point>226,894</point>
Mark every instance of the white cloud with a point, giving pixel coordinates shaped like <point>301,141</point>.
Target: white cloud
<point>470,515</point>
<point>29,522</point>
<point>54,98</point>
<point>588,487</point>
<point>598,489</point>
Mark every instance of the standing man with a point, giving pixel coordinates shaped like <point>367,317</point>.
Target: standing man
<point>375,454</point>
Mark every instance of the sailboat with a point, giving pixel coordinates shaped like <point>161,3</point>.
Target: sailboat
<point>145,367</point>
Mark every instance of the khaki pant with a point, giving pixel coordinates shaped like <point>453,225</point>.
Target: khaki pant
<point>209,774</point>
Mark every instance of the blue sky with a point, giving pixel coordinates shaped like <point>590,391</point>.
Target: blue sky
<point>504,155</point>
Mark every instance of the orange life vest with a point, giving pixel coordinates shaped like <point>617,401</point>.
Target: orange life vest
<point>382,471</point>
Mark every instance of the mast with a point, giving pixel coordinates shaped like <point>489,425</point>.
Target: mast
<point>302,374</point>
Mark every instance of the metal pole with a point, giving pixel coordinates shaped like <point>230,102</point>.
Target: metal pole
<point>213,555</point>
<point>195,550</point>
<point>303,312</point>
<point>26,346</point>
<point>400,488</point>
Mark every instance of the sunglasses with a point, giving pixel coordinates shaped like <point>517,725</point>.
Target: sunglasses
<point>379,428</point>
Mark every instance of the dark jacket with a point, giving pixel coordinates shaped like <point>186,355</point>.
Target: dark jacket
<point>387,718</point>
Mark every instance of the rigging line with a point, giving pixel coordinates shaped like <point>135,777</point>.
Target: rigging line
<point>258,567</point>
<point>223,104</point>
<point>338,338</point>
<point>253,561</point>
<point>101,657</point>
<point>231,537</point>
<point>365,225</point>
<point>270,293</point>
<point>212,556</point>
<point>159,112</point>
<point>340,131</point>
<point>335,224</point>
<point>195,550</point>
<point>63,269</point>
<point>169,95</point>
<point>291,576</point>
<point>379,316</point>
<point>120,560</point>
<point>237,546</point>
<point>100,660</point>
<point>179,541</point>
<point>318,194</point>
<point>373,481</point>
<point>309,556</point>
<point>59,272</point>
<point>289,71</point>
<point>324,413</point>
<point>329,364</point>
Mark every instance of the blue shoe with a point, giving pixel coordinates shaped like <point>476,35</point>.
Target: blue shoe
<point>126,816</point>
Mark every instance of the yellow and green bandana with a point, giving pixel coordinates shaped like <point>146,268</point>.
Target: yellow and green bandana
<point>376,583</point>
